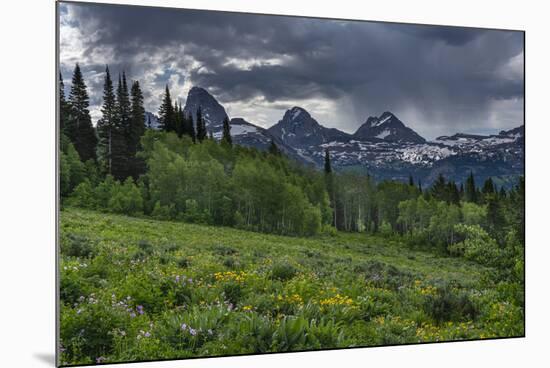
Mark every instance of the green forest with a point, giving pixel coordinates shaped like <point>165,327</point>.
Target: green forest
<point>288,257</point>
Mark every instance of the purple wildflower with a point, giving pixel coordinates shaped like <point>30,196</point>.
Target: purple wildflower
<point>132,314</point>
<point>183,326</point>
<point>192,331</point>
<point>147,334</point>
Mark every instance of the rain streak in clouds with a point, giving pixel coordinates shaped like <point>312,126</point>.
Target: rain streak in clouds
<point>438,80</point>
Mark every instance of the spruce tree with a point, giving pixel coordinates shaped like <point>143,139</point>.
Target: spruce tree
<point>488,187</point>
<point>502,193</point>
<point>419,186</point>
<point>226,136</point>
<point>166,113</point>
<point>411,181</point>
<point>137,129</point>
<point>201,127</point>
<point>470,192</point>
<point>63,106</point>
<point>453,194</point>
<point>178,119</point>
<point>78,126</point>
<point>106,124</point>
<point>328,168</point>
<point>439,189</point>
<point>121,158</point>
<point>189,127</point>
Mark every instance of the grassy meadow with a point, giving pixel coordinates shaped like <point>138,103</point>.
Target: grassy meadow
<point>142,289</point>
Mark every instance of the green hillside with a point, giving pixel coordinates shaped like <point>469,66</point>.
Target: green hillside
<point>139,289</point>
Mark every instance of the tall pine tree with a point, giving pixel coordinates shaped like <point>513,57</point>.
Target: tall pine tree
<point>136,131</point>
<point>470,192</point>
<point>63,106</point>
<point>121,157</point>
<point>488,187</point>
<point>108,128</point>
<point>188,126</point>
<point>78,126</point>
<point>201,127</point>
<point>328,167</point>
<point>178,119</point>
<point>226,136</point>
<point>166,113</point>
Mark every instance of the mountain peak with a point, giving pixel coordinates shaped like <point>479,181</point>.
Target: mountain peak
<point>212,112</point>
<point>296,113</point>
<point>299,129</point>
<point>387,127</point>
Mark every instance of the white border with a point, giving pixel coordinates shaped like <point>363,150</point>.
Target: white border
<point>27,183</point>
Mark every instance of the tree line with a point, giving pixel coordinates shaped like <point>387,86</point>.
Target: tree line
<point>111,148</point>
<point>180,173</point>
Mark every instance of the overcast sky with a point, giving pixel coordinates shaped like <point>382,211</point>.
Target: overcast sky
<point>437,80</point>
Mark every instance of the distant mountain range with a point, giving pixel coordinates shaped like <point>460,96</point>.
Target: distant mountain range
<point>383,146</point>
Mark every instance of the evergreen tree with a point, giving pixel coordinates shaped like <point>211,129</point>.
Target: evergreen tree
<point>411,181</point>
<point>120,154</point>
<point>136,131</point>
<point>328,167</point>
<point>78,126</point>
<point>166,113</point>
<point>188,126</point>
<point>106,124</point>
<point>502,193</point>
<point>64,108</point>
<point>201,127</point>
<point>179,119</point>
<point>439,189</point>
<point>488,187</point>
<point>226,136</point>
<point>470,192</point>
<point>273,149</point>
<point>453,194</point>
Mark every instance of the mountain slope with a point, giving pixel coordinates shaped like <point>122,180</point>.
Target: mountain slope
<point>299,130</point>
<point>212,112</point>
<point>389,128</point>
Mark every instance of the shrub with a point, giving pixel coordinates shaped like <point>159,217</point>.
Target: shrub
<point>83,195</point>
<point>230,263</point>
<point>126,199</point>
<point>283,271</point>
<point>233,292</point>
<point>145,246</point>
<point>447,305</point>
<point>382,275</point>
<point>385,229</point>
<point>183,262</point>
<point>77,246</point>
<point>477,246</point>
<point>224,250</point>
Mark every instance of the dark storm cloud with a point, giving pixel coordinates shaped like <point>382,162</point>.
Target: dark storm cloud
<point>438,79</point>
